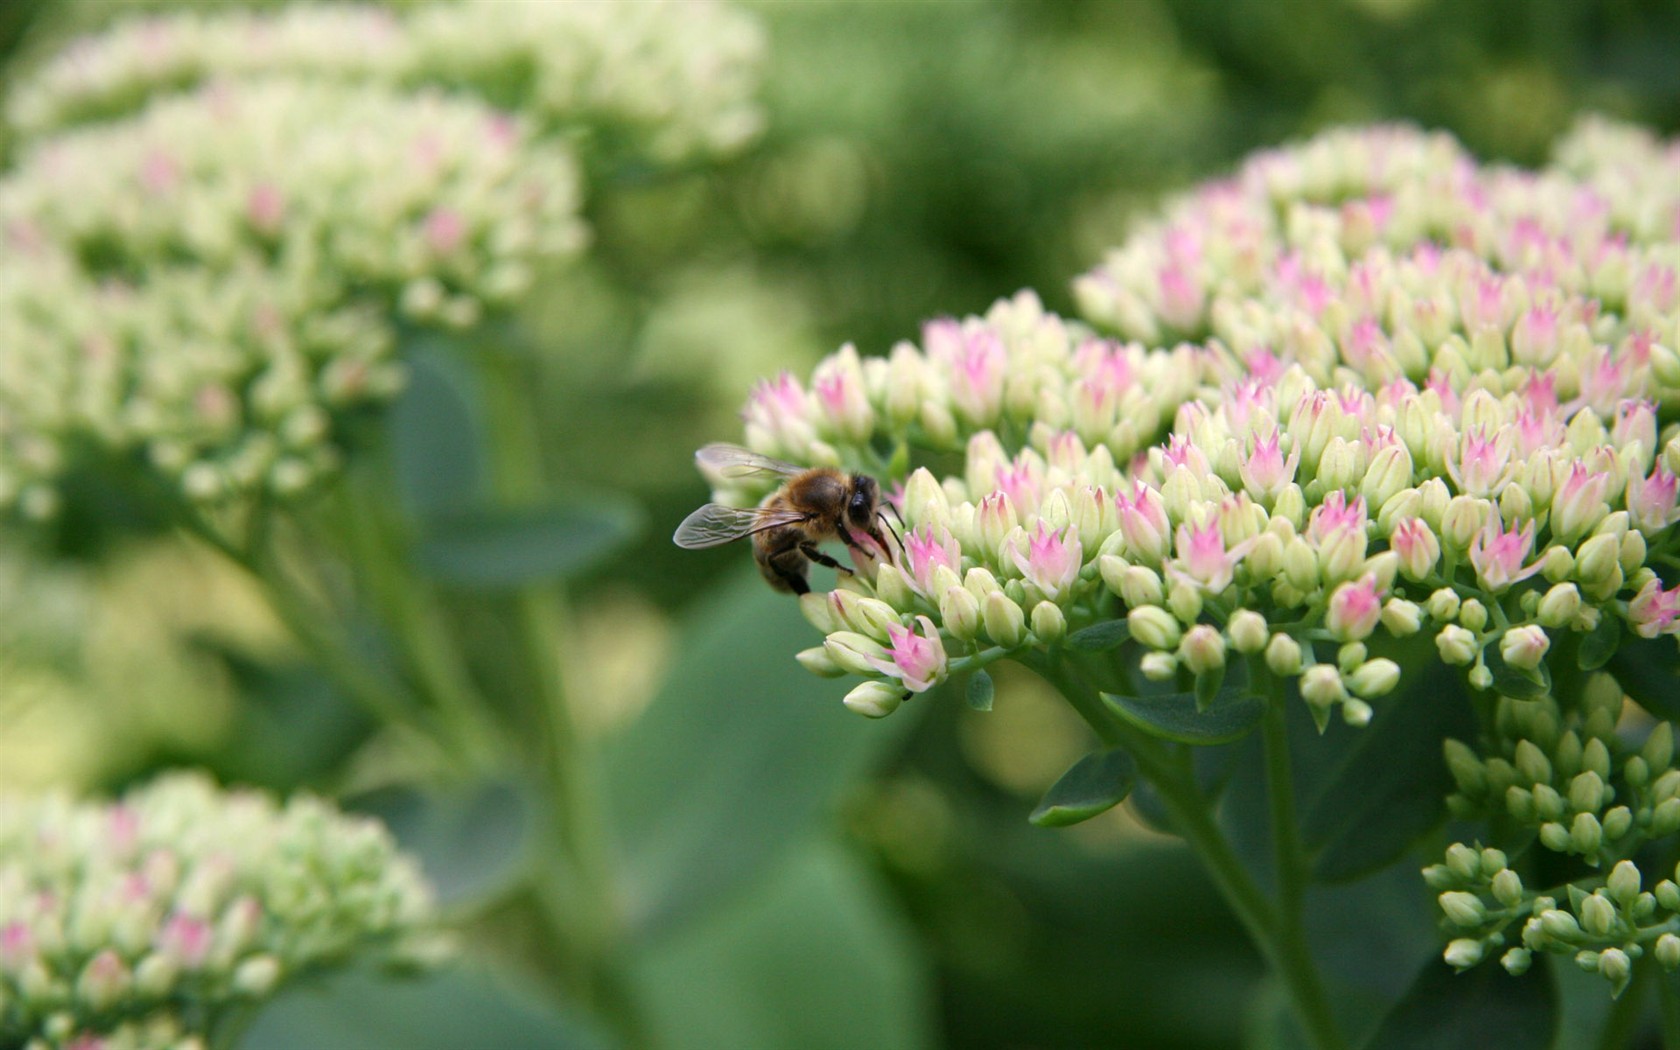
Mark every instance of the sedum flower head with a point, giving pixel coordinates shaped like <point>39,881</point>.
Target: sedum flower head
<point>666,80</point>
<point>209,285</point>
<point>139,923</point>
<point>1363,374</point>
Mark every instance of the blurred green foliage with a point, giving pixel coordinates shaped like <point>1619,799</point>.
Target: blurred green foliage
<point>922,159</point>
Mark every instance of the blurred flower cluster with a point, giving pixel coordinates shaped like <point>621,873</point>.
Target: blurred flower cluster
<point>149,921</point>
<point>219,225</point>
<point>667,80</point>
<point>1365,389</point>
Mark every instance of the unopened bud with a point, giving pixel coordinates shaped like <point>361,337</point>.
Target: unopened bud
<point>1248,631</point>
<point>1005,623</point>
<point>1049,623</point>
<point>1401,617</point>
<point>1598,915</point>
<point>1463,909</point>
<point>1667,951</point>
<point>1623,883</point>
<point>875,699</point>
<point>1463,953</point>
<point>1283,655</point>
<point>1203,649</point>
<point>1154,627</point>
<point>1508,888</point>
<point>1517,961</point>
<point>1374,678</point>
<point>1560,606</point>
<point>1472,614</point>
<point>1456,645</point>
<point>1586,835</point>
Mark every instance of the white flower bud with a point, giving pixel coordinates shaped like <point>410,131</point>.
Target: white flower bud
<point>875,699</point>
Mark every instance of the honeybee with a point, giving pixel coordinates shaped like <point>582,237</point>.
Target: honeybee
<point>814,504</point>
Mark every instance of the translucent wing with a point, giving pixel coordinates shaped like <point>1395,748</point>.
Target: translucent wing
<point>733,461</point>
<point>715,524</point>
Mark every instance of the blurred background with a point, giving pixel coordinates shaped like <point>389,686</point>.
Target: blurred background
<point>920,159</point>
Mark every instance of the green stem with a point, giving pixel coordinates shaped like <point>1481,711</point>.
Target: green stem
<point>1289,857</point>
<point>578,892</point>
<point>1278,934</point>
<point>1668,996</point>
<point>410,610</point>
<point>1623,1019</point>
<point>298,615</point>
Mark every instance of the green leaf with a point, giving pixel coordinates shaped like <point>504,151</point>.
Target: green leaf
<point>503,548</point>
<point>291,726</point>
<point>1482,1007</point>
<point>740,751</point>
<point>1517,683</point>
<point>1599,644</point>
<point>1100,637</point>
<point>1648,669</point>
<point>437,440</point>
<point>1096,783</point>
<point>1231,715</point>
<point>1390,782</point>
<point>457,1007</point>
<point>1207,688</point>
<point>813,957</point>
<point>980,690</point>
<point>470,841</point>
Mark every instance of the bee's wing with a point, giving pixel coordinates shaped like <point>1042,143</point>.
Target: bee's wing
<point>715,524</point>
<point>733,461</point>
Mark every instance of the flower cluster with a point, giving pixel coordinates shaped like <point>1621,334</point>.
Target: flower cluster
<point>1403,395</point>
<point>1567,779</point>
<point>142,922</point>
<point>208,284</point>
<point>665,80</point>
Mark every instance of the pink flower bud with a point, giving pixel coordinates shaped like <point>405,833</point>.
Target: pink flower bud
<point>1578,505</point>
<point>1417,546</point>
<point>918,660</point>
<point>1651,501</point>
<point>1354,609</point>
<point>1497,555</point>
<point>1143,523</point>
<point>841,398</point>
<point>1654,611</point>
<point>1051,562</point>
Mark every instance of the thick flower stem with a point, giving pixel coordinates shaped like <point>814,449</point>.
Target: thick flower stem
<point>1668,996</point>
<point>1276,931</point>
<point>575,881</point>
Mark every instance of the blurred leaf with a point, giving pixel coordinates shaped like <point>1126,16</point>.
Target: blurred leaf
<point>1648,670</point>
<point>980,690</point>
<point>741,749</point>
<point>1095,784</point>
<point>1230,716</point>
<point>812,958</point>
<point>1516,682</point>
<point>1389,784</point>
<point>1599,644</point>
<point>1482,1007</point>
<point>508,547</point>
<point>458,1007</point>
<point>437,442</point>
<point>1100,637</point>
<point>470,841</point>
<point>292,728</point>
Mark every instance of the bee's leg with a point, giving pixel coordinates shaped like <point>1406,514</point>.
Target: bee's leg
<point>812,551</point>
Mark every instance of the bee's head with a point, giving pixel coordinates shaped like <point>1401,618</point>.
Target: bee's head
<point>861,504</point>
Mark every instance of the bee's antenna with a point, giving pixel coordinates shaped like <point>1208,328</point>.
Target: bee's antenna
<point>882,517</point>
